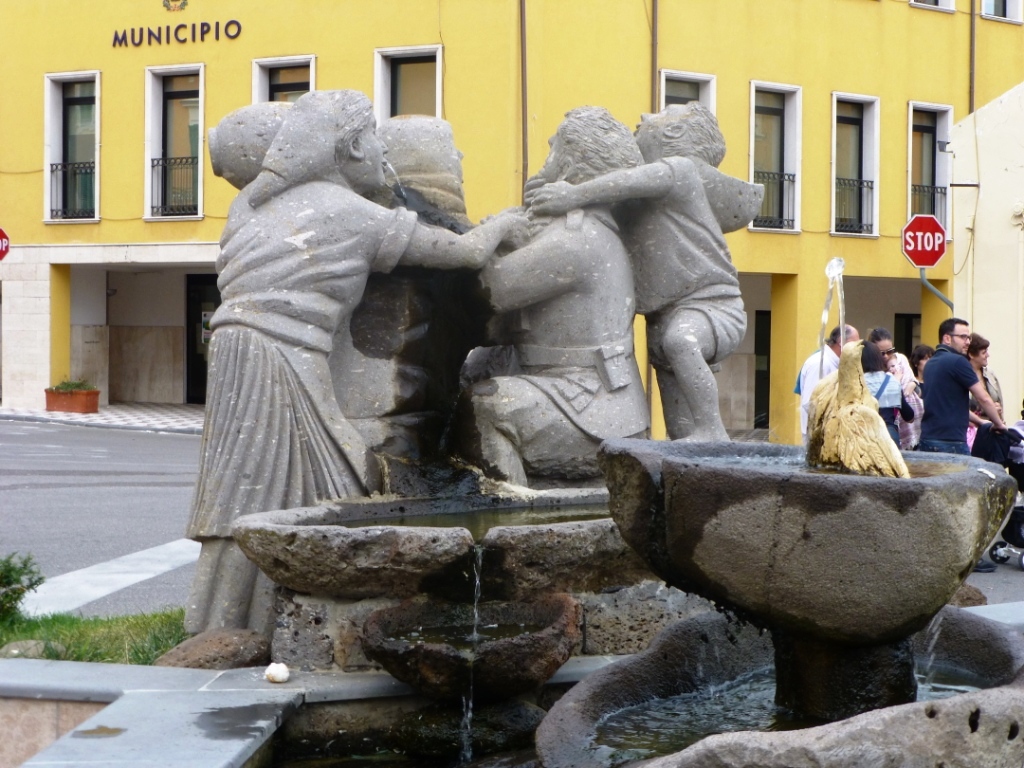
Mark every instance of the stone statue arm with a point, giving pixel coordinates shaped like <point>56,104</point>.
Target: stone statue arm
<point>441,249</point>
<point>651,180</point>
<point>545,268</point>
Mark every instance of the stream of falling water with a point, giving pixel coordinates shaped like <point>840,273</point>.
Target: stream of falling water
<point>466,727</point>
<point>834,273</point>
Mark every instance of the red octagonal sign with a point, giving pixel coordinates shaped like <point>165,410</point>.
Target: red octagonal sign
<point>5,243</point>
<point>924,240</point>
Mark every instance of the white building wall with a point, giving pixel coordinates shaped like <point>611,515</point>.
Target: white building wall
<point>988,233</point>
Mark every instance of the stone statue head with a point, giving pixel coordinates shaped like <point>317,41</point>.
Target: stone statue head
<point>681,130</point>
<point>589,143</point>
<point>326,136</point>
<point>422,152</point>
<point>239,143</point>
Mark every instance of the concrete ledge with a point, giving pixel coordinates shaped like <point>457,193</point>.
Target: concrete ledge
<point>1011,614</point>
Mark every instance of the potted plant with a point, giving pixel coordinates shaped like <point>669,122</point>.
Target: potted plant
<point>73,396</point>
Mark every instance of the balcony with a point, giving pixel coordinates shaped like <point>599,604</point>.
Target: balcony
<point>854,206</point>
<point>73,190</point>
<point>777,209</point>
<point>176,186</point>
<point>925,199</point>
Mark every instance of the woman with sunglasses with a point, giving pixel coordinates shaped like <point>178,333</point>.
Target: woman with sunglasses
<point>899,366</point>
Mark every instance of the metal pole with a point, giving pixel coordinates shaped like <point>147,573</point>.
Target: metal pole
<point>936,291</point>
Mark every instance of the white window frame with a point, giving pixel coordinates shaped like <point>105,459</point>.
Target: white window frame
<point>792,147</point>
<point>707,86</point>
<point>261,73</point>
<point>943,160</point>
<point>946,6</point>
<point>1014,11</point>
<point>872,157</point>
<point>153,142</point>
<point>382,58</point>
<point>53,135</point>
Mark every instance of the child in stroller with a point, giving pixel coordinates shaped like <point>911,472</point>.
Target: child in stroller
<point>1006,449</point>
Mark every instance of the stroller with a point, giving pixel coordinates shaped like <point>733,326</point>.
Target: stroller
<point>1006,449</point>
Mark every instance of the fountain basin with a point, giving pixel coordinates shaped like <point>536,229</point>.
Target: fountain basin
<point>492,669</point>
<point>847,558</point>
<point>388,548</point>
<point>981,728</point>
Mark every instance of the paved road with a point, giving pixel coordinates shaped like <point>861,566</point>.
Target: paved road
<point>81,498</point>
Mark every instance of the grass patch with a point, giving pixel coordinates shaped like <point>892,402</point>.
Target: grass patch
<point>138,639</point>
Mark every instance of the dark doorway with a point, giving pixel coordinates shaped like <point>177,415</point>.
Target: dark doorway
<point>762,367</point>
<point>202,299</point>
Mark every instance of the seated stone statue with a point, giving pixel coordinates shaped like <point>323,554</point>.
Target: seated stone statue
<point>686,283</point>
<point>299,243</point>
<point>568,295</point>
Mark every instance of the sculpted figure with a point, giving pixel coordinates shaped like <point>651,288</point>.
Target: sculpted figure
<point>396,365</point>
<point>686,283</point>
<point>298,246</point>
<point>568,295</point>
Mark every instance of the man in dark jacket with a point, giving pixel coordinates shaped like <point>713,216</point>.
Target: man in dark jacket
<point>951,380</point>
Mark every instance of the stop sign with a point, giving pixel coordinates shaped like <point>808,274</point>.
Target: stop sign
<point>924,240</point>
<point>5,244</point>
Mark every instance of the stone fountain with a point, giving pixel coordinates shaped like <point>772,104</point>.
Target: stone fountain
<point>351,460</point>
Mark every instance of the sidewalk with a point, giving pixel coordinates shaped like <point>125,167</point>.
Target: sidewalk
<point>151,417</point>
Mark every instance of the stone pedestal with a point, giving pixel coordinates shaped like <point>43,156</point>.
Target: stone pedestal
<point>831,681</point>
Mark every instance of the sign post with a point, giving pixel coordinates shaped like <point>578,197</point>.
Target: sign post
<point>924,240</point>
<point>5,244</point>
<point>923,243</point>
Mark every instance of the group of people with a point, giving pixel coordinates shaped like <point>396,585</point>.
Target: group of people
<point>944,415</point>
<point>962,392</point>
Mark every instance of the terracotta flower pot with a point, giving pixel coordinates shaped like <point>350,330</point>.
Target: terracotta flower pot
<point>73,401</point>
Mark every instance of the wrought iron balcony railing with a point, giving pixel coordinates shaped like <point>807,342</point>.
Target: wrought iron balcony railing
<point>73,190</point>
<point>925,199</point>
<point>854,205</point>
<point>176,186</point>
<point>777,209</point>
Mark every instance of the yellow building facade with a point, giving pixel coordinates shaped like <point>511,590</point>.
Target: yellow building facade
<point>842,107</point>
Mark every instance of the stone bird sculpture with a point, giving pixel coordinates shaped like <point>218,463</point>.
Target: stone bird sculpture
<point>845,430</point>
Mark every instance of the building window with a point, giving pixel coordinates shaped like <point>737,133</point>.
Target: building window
<point>855,165</point>
<point>947,5</point>
<point>775,154</point>
<point>682,87</point>
<point>1002,9</point>
<point>288,83</point>
<point>72,183</point>
<point>72,131</point>
<point>283,78</point>
<point>408,82</point>
<point>174,142</point>
<point>929,168</point>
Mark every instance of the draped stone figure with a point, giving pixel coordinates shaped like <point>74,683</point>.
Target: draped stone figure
<point>298,246</point>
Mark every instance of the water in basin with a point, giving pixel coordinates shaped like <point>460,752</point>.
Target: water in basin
<point>461,637</point>
<point>664,726</point>
<point>479,521</point>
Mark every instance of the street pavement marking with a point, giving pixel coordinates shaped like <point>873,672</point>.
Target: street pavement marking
<point>69,591</point>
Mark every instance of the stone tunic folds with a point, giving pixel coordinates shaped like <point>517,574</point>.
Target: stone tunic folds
<point>291,271</point>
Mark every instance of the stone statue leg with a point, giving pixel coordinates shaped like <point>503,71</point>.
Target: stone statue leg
<point>509,428</point>
<point>689,391</point>
<point>228,591</point>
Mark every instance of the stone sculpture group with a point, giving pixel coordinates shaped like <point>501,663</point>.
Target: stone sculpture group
<point>346,306</point>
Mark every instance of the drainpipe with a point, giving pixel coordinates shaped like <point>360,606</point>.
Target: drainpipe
<point>654,79</point>
<point>655,103</point>
<point>524,103</point>
<point>974,47</point>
